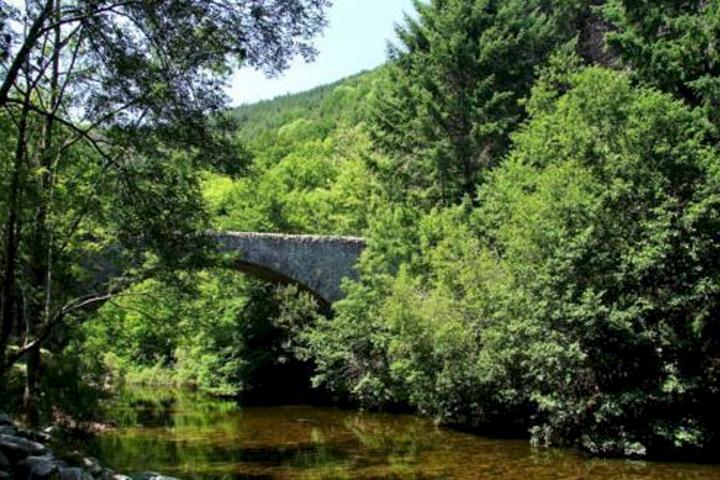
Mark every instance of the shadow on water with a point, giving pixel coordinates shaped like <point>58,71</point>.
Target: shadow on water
<point>192,436</point>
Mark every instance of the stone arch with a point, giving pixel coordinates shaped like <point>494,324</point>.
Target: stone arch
<point>316,263</point>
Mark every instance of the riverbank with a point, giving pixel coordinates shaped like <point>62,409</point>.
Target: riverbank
<point>29,455</point>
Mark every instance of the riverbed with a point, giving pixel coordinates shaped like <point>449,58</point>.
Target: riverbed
<point>191,436</point>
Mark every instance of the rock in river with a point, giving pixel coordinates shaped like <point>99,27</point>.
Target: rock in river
<point>38,468</point>
<point>119,476</point>
<point>151,476</point>
<point>92,465</point>
<point>74,473</point>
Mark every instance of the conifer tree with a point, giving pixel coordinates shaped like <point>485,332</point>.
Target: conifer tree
<point>454,89</point>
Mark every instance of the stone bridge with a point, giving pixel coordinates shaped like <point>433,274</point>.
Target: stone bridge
<point>314,262</point>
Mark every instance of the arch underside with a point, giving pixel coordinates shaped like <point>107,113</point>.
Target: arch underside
<point>273,276</point>
<point>317,264</point>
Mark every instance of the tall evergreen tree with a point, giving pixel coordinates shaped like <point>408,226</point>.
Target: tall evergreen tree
<point>454,89</point>
<point>672,45</point>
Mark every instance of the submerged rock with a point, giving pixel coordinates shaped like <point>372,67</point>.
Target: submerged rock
<point>145,475</point>
<point>74,473</point>
<point>107,474</point>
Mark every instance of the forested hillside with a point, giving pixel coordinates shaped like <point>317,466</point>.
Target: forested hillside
<point>309,171</point>
<point>538,183</point>
<point>325,105</point>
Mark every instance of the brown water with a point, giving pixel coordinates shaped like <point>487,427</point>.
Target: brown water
<point>193,437</point>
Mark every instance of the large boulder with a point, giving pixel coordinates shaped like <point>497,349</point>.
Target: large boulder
<point>16,448</point>
<point>34,435</point>
<point>5,419</point>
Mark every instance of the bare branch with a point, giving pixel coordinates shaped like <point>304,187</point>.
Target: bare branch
<point>82,17</point>
<point>84,133</point>
<point>32,37</point>
<point>59,318</point>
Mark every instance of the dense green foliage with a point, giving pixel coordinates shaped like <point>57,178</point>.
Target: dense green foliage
<point>226,336</point>
<point>310,165</point>
<point>579,299</point>
<point>671,45</point>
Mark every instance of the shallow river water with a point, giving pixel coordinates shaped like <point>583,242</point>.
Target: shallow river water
<point>193,437</point>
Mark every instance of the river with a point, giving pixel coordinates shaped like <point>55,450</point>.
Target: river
<point>191,436</point>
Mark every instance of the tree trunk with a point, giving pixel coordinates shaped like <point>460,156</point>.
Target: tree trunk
<point>31,38</point>
<point>41,245</point>
<point>13,229</point>
<point>32,386</point>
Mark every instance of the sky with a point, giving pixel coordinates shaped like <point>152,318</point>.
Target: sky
<point>355,39</point>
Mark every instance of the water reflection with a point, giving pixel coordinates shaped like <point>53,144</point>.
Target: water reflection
<point>193,437</point>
